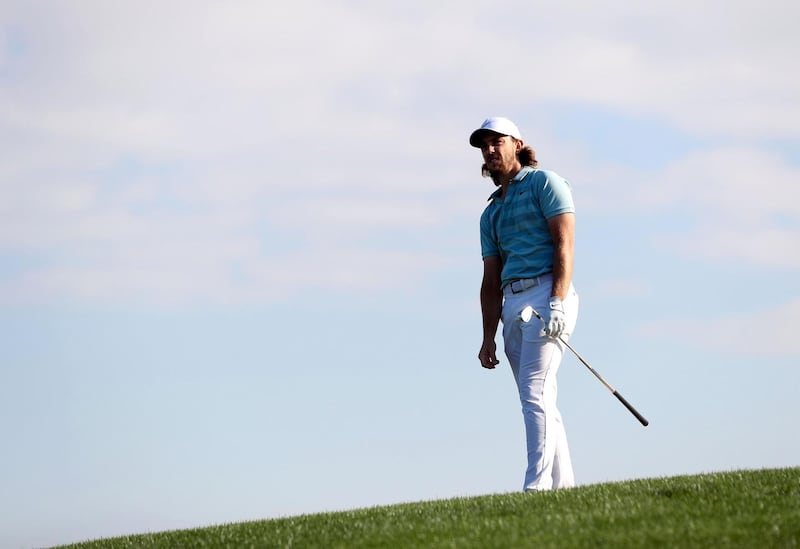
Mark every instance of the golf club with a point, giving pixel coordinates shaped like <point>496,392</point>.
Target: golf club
<point>526,315</point>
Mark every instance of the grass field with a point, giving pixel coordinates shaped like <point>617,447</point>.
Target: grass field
<point>750,509</point>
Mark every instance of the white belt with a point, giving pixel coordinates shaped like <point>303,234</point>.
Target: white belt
<point>522,284</point>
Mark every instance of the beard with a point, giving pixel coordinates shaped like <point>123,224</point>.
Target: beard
<point>493,174</point>
<point>493,168</point>
<point>500,169</point>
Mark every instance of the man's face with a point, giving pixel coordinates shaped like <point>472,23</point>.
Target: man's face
<point>500,153</point>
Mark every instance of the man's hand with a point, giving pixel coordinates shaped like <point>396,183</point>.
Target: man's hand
<point>554,318</point>
<point>487,355</point>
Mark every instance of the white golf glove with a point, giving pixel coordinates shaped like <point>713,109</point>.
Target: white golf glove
<point>554,318</point>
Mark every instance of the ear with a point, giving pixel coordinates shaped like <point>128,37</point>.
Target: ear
<point>519,144</point>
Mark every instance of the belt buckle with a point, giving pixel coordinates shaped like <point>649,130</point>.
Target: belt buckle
<point>524,284</point>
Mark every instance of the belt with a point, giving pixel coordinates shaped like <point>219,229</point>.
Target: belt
<point>522,284</point>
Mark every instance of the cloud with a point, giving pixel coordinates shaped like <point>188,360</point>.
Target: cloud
<point>770,331</point>
<point>714,68</point>
<point>763,247</point>
<point>221,149</point>
<point>724,204</point>
<point>628,288</point>
<point>743,181</point>
<point>741,202</point>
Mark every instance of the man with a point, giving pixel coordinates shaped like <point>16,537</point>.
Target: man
<point>527,242</point>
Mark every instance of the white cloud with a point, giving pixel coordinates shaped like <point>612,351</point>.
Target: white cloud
<point>715,68</point>
<point>323,121</point>
<point>744,182</point>
<point>740,202</point>
<point>771,331</point>
<point>764,247</point>
<point>730,204</point>
<point>628,288</point>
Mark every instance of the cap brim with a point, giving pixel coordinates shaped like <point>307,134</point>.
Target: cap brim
<point>476,139</point>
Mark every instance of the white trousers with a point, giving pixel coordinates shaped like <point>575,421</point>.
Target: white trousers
<point>535,359</point>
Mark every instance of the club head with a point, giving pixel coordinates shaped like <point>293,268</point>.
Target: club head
<point>527,314</point>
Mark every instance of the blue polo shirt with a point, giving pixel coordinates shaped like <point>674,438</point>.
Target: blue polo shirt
<point>515,227</point>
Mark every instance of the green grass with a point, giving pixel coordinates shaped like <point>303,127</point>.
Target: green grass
<point>733,509</point>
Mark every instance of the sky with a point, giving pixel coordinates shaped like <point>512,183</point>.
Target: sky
<point>239,252</point>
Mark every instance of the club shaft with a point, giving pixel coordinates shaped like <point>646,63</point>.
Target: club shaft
<point>608,386</point>
<point>596,374</point>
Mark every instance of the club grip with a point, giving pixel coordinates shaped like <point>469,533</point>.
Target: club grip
<point>631,409</point>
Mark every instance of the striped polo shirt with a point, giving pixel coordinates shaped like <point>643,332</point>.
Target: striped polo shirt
<point>515,227</point>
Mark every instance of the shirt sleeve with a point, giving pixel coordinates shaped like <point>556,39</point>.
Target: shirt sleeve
<point>489,246</point>
<point>555,195</point>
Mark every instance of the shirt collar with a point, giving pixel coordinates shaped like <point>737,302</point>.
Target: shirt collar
<point>519,177</point>
<point>521,174</point>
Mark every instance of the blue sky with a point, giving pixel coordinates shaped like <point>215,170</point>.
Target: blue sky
<point>239,257</point>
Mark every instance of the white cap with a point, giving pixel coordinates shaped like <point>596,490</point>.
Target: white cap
<point>495,124</point>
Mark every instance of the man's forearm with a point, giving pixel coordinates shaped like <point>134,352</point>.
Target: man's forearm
<point>562,229</point>
<point>491,307</point>
<point>562,270</point>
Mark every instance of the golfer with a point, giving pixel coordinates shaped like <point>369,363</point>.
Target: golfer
<point>527,242</point>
